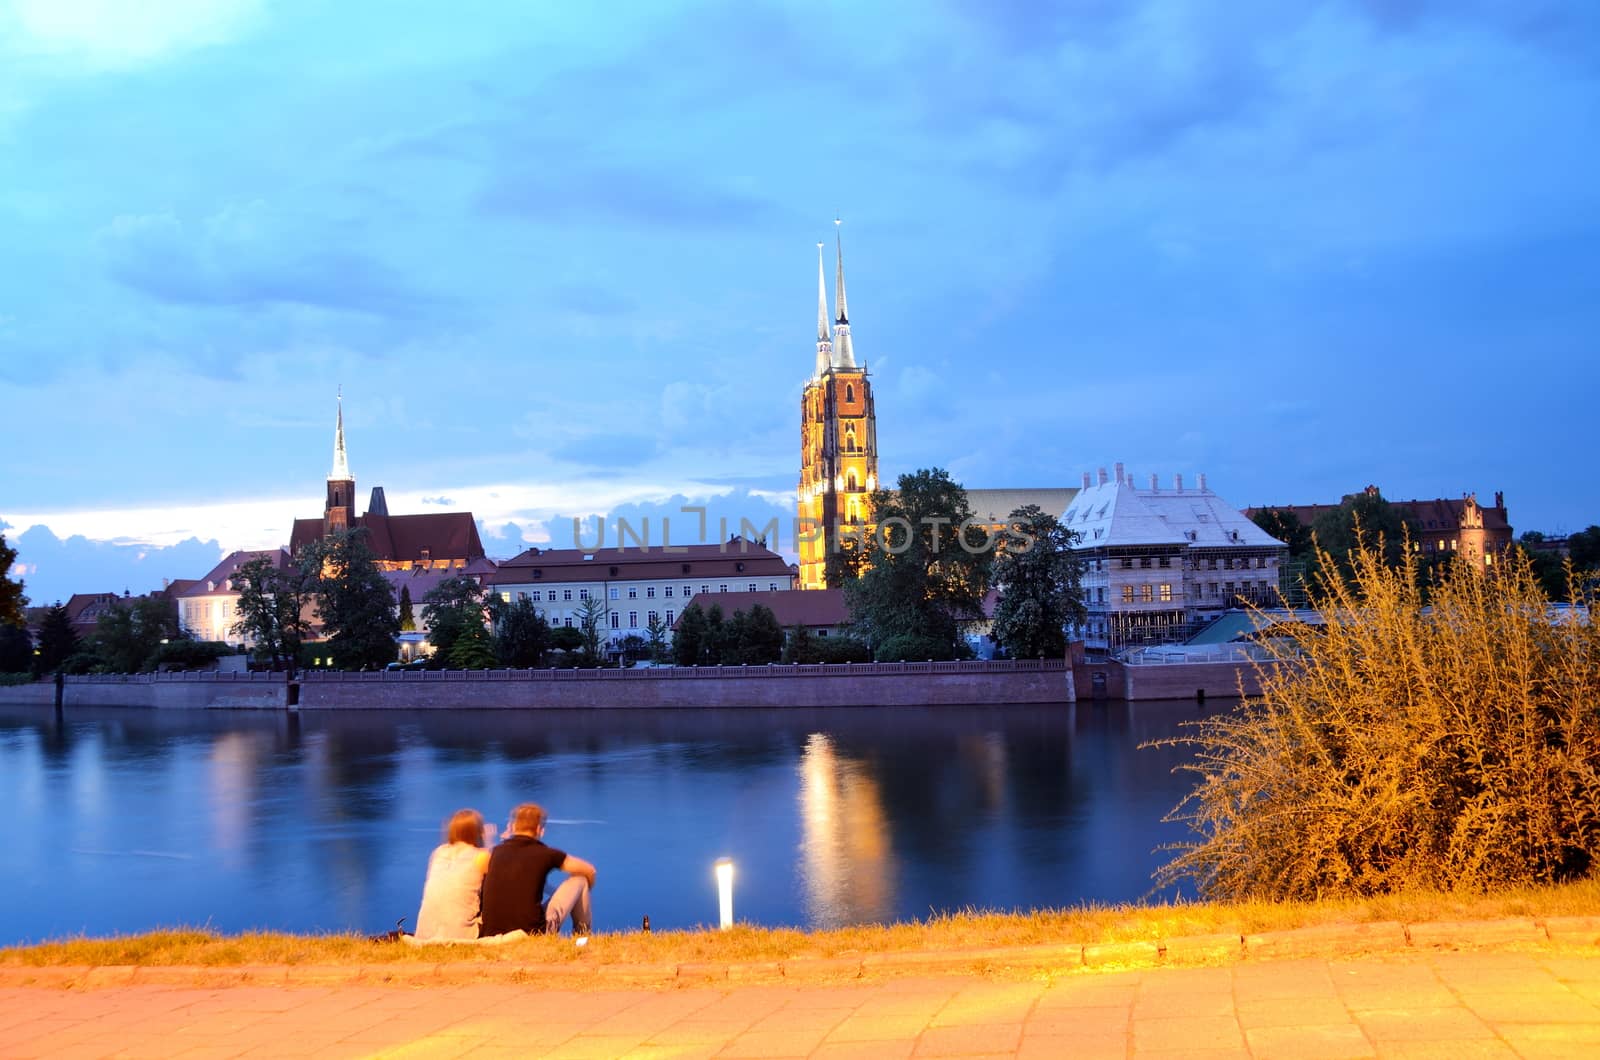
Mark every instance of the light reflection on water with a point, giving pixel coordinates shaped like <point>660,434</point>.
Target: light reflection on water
<point>126,820</point>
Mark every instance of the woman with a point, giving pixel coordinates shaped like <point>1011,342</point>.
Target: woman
<point>455,876</point>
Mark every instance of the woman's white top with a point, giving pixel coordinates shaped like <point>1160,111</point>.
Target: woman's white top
<point>450,893</point>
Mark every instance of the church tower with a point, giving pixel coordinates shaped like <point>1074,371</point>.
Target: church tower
<point>838,439</point>
<point>338,514</point>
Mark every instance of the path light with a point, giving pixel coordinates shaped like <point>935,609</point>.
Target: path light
<point>724,871</point>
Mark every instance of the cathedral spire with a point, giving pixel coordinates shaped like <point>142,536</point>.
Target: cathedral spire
<point>341,462</point>
<point>845,354</point>
<point>824,334</point>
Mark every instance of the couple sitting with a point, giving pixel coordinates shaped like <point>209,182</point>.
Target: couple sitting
<point>471,892</point>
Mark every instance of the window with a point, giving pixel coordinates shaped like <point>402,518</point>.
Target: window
<point>1211,588</point>
<point>552,594</point>
<point>669,619</point>
<point>822,633</point>
<point>1146,594</point>
<point>615,618</point>
<point>566,594</point>
<point>633,620</point>
<point>583,594</point>
<point>1100,595</point>
<point>650,592</point>
<point>707,588</point>
<point>1261,563</point>
<point>1144,562</point>
<point>612,593</point>
<point>633,592</point>
<point>1127,562</point>
<point>652,617</point>
<point>567,621</point>
<point>1211,564</point>
<point>849,393</point>
<point>522,596</point>
<point>722,588</point>
<point>688,591</point>
<point>667,592</point>
<point>1166,592</point>
<point>1227,587</point>
<point>750,588</point>
<point>1165,561</point>
<point>772,587</point>
<point>1127,594</point>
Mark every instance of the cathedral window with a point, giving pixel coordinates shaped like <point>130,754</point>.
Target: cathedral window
<point>849,392</point>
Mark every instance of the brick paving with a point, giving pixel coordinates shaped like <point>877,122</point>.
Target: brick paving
<point>1457,1005</point>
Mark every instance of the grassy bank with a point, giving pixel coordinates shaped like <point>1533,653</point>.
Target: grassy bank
<point>198,947</point>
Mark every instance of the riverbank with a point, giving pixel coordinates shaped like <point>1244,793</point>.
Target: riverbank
<point>1122,936</point>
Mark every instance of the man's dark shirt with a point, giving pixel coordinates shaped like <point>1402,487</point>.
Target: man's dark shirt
<point>513,886</point>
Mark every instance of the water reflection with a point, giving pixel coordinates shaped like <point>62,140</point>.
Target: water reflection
<point>129,819</point>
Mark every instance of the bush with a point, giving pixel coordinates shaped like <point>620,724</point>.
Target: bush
<point>913,647</point>
<point>1394,748</point>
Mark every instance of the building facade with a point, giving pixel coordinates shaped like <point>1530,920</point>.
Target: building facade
<point>1158,561</point>
<point>634,585</point>
<point>1445,526</point>
<point>838,438</point>
<point>207,608</point>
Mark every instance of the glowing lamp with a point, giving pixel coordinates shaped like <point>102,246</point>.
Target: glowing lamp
<point>724,871</point>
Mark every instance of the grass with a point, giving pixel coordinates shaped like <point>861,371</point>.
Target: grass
<point>745,944</point>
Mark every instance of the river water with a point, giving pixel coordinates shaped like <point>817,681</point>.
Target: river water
<point>127,820</point>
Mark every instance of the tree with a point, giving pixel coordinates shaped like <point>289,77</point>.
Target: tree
<point>354,602</point>
<point>715,641</point>
<point>1041,586</point>
<point>591,618</point>
<point>1583,548</point>
<point>16,649</point>
<point>12,600</point>
<point>450,609</point>
<point>797,645</point>
<point>656,639</point>
<point>927,569</point>
<point>1286,526</point>
<point>58,641</point>
<point>634,648</point>
<point>566,640</point>
<point>687,642</point>
<point>271,609</point>
<point>128,635</point>
<point>1545,564</point>
<point>521,634</point>
<point>760,638</point>
<point>1362,521</point>
<point>408,621</point>
<point>473,649</point>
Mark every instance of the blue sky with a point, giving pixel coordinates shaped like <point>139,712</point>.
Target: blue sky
<point>561,259</point>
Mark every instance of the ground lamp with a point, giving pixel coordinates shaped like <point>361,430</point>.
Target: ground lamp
<point>724,871</point>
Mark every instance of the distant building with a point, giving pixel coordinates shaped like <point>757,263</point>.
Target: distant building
<point>1445,526</point>
<point>418,583</point>
<point>207,608</point>
<point>446,541</point>
<point>1158,560</point>
<point>637,584</point>
<point>818,611</point>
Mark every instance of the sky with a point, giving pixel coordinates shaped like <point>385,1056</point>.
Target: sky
<point>561,257</point>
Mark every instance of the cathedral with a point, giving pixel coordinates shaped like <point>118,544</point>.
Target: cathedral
<point>838,437</point>
<point>438,541</point>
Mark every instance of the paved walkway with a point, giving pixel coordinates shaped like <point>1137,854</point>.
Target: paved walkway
<point>1421,1004</point>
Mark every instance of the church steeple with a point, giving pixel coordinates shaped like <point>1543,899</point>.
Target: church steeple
<point>341,462</point>
<point>339,513</point>
<point>844,352</point>
<point>824,335</point>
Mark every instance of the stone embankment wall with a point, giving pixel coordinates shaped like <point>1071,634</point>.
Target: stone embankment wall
<point>1184,680</point>
<point>843,684</point>
<point>832,685</point>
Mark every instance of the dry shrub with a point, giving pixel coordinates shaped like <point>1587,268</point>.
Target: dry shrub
<point>1393,748</point>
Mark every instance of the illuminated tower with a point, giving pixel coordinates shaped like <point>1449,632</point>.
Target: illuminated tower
<point>339,512</point>
<point>838,439</point>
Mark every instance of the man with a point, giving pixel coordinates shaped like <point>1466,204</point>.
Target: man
<point>513,886</point>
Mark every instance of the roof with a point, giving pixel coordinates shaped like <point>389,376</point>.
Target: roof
<point>422,582</point>
<point>734,558</point>
<point>402,538</point>
<point>995,506</point>
<point>217,579</point>
<point>1240,625</point>
<point>1119,514</point>
<point>804,607</point>
<point>1441,513</point>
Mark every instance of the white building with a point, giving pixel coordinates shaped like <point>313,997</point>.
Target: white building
<point>206,609</point>
<point>637,584</point>
<point>1157,560</point>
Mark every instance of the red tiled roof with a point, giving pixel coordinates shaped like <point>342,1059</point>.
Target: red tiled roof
<point>807,607</point>
<point>403,538</point>
<point>732,559</point>
<point>216,579</point>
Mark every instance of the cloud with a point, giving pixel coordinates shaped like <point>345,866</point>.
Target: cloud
<point>247,256</point>
<point>617,194</point>
<point>59,567</point>
<point>608,450</point>
<point>118,34</point>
